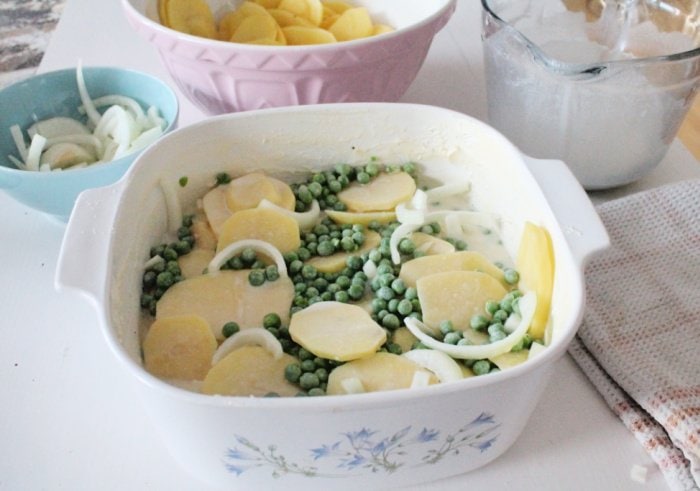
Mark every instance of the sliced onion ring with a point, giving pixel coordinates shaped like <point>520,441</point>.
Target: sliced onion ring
<point>306,219</point>
<point>441,364</point>
<point>258,245</point>
<point>255,336</point>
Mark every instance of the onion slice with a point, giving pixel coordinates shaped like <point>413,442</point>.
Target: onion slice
<point>18,138</point>
<point>421,378</point>
<point>306,219</point>
<point>172,203</point>
<point>527,305</point>
<point>255,336</point>
<point>353,385</point>
<point>90,109</point>
<point>257,245</point>
<point>34,152</point>
<point>441,364</point>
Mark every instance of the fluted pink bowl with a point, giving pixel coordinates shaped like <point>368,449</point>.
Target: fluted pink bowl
<point>222,77</point>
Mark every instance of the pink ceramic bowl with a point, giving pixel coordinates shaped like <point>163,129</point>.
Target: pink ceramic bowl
<point>222,77</point>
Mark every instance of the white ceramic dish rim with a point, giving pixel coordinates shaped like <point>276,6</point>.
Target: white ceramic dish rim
<point>567,190</point>
<point>443,7</point>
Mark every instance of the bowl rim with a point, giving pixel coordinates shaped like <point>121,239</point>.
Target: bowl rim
<point>348,401</point>
<point>449,6</point>
<point>171,125</point>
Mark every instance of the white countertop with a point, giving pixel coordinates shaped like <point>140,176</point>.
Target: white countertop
<point>69,418</point>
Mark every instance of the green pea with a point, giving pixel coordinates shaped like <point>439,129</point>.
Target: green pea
<point>309,272</point>
<point>404,307</point>
<point>165,279</point>
<point>272,273</point>
<point>500,315</point>
<point>356,292</point>
<point>479,322</point>
<point>391,321</point>
<point>248,255</point>
<point>446,326</point>
<point>491,307</point>
<point>272,320</point>
<point>292,372</point>
<point>354,262</point>
<point>411,293</point>
<point>511,276</point>
<point>342,296</point>
<point>452,337</point>
<point>229,329</point>
<point>481,367</point>
<point>385,293</point>
<point>256,277</point>
<point>325,248</point>
<point>398,286</point>
<point>406,246</point>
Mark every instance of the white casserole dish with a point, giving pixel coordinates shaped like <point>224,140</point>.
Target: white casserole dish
<point>378,440</point>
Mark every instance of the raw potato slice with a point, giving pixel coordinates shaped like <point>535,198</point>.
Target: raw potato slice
<point>510,359</point>
<point>404,338</point>
<point>413,270</point>
<point>382,193</point>
<point>337,331</point>
<point>191,17</point>
<point>536,267</point>
<point>268,4</point>
<point>179,348</point>
<point>204,237</point>
<point>381,371</point>
<point>337,6</point>
<point>214,204</point>
<point>227,296</point>
<point>285,18</point>
<point>267,225</point>
<point>456,296</point>
<point>354,23</point>
<point>300,35</point>
<point>378,29</point>
<point>250,371</point>
<point>232,20</point>
<point>348,217</point>
<point>336,262</point>
<point>248,191</point>
<point>431,245</point>
<point>311,10</point>
<point>163,12</point>
<point>329,17</point>
<point>195,263</point>
<point>255,27</point>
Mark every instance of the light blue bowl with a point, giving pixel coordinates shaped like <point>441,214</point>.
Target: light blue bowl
<point>56,94</point>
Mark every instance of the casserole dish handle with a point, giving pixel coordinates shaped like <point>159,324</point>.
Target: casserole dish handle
<point>582,227</point>
<point>82,260</point>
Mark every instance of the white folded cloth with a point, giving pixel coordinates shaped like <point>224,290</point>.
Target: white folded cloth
<point>640,339</point>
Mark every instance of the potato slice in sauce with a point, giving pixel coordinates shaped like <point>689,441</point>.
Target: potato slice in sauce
<point>382,193</point>
<point>349,217</point>
<point>282,231</point>
<point>536,267</point>
<point>227,296</point>
<point>215,208</point>
<point>381,371</point>
<point>195,263</point>
<point>179,348</point>
<point>250,371</point>
<point>415,269</point>
<point>456,296</point>
<point>337,331</point>
<point>248,191</point>
<point>431,245</point>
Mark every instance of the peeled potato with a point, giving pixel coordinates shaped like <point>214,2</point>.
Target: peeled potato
<point>268,4</point>
<point>285,18</point>
<point>337,6</point>
<point>353,23</point>
<point>250,371</point>
<point>404,338</point>
<point>382,193</point>
<point>264,224</point>
<point>336,262</point>
<point>300,35</point>
<point>255,27</point>
<point>337,331</point>
<point>430,245</point>
<point>204,237</point>
<point>179,348</point>
<point>510,359</point>
<point>248,191</point>
<point>381,371</point>
<point>378,29</point>
<point>350,217</point>
<point>232,20</point>
<point>215,209</point>
<point>413,270</point>
<point>194,263</point>
<point>456,296</point>
<point>311,10</point>
<point>191,17</point>
<point>536,267</point>
<point>225,297</point>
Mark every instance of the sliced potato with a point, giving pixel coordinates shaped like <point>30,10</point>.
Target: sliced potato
<point>195,263</point>
<point>311,10</point>
<point>204,237</point>
<point>301,35</point>
<point>535,264</point>
<point>510,359</point>
<point>248,191</point>
<point>215,209</point>
<point>431,245</point>
<point>179,348</point>
<point>336,262</point>
<point>382,193</point>
<point>353,23</point>
<point>456,296</point>
<point>337,331</point>
<point>337,6</point>
<point>349,217</point>
<point>250,371</point>
<point>255,27</point>
<point>232,20</point>
<point>404,338</point>
<point>285,18</point>
<point>381,371</point>
<point>413,270</point>
<point>191,17</point>
<point>268,4</point>
<point>280,230</point>
<point>378,29</point>
<point>225,297</point>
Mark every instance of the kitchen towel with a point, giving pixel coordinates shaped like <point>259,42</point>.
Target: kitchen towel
<point>639,342</point>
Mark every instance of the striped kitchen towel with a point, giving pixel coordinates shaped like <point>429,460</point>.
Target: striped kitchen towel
<point>640,339</point>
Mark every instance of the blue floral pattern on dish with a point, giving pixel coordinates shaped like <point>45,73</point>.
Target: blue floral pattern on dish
<point>367,450</point>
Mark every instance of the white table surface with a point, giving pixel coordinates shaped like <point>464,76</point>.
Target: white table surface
<point>69,419</point>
